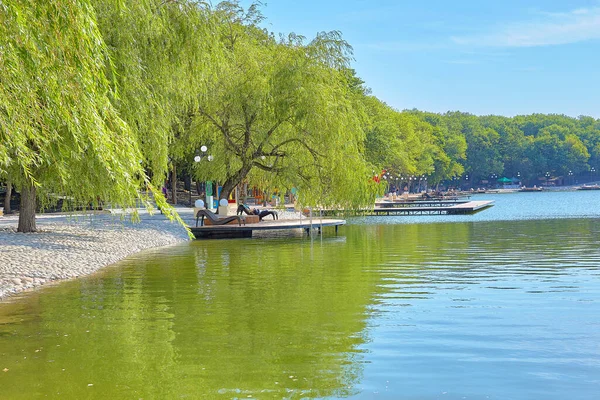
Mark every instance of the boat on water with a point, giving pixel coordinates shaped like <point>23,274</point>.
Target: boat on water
<point>531,189</point>
<point>589,187</point>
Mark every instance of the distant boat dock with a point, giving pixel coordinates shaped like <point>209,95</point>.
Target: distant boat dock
<point>589,187</point>
<point>424,207</point>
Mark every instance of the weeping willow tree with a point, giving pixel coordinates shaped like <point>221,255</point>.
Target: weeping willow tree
<point>89,92</point>
<point>281,113</point>
<point>159,59</point>
<point>60,134</point>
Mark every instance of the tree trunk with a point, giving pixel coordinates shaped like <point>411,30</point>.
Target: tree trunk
<point>7,209</point>
<point>233,181</point>
<point>187,182</point>
<point>174,184</point>
<point>27,211</point>
<point>226,190</point>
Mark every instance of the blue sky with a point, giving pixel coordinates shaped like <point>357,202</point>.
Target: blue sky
<point>480,56</point>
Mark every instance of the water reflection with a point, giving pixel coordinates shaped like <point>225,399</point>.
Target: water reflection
<point>236,318</point>
<point>397,311</point>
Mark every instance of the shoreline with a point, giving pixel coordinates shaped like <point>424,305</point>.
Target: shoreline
<point>67,247</point>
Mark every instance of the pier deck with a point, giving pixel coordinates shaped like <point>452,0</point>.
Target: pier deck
<point>467,207</point>
<point>424,208</point>
<point>420,203</point>
<point>245,231</point>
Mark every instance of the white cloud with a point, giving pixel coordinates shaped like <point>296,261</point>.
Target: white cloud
<point>548,29</point>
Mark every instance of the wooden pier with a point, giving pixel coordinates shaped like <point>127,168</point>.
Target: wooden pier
<point>419,203</point>
<point>245,231</point>
<point>433,207</point>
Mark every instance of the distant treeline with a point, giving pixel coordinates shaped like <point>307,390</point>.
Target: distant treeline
<point>456,144</point>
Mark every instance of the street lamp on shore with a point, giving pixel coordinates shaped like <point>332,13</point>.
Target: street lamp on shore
<point>200,155</point>
<point>571,177</point>
<point>197,158</point>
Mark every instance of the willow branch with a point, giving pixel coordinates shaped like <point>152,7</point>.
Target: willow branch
<point>270,132</point>
<point>223,130</point>
<point>266,167</point>
<point>312,151</point>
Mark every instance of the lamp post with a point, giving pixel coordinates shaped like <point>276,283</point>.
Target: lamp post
<point>571,177</point>
<point>592,170</point>
<point>547,175</point>
<point>197,159</point>
<point>493,178</point>
<point>200,155</point>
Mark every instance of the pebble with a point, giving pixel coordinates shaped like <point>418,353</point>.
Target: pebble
<point>66,248</point>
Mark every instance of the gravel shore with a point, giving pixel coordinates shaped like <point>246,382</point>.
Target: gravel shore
<point>66,247</point>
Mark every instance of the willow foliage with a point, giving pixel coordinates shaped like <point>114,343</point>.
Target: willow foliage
<point>159,61</point>
<point>59,130</point>
<point>280,113</point>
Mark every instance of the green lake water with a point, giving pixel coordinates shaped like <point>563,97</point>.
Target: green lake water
<point>504,304</point>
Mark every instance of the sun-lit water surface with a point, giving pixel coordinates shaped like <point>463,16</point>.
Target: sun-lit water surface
<point>479,308</point>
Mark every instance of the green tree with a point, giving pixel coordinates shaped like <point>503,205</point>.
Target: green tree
<point>160,59</point>
<point>60,134</point>
<point>281,113</point>
<point>575,155</point>
<point>512,144</point>
<point>451,145</point>
<point>391,140</point>
<point>483,157</point>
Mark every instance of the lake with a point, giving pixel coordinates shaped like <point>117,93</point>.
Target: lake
<point>503,304</point>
